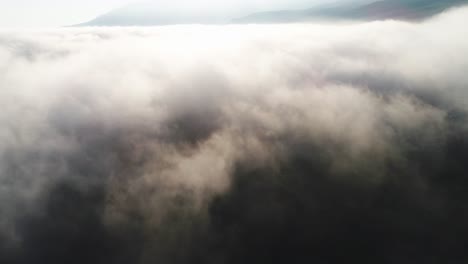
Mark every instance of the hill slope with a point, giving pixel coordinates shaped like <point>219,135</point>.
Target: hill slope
<point>145,14</point>
<point>385,9</point>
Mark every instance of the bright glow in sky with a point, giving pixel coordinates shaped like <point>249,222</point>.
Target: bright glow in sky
<point>19,13</point>
<point>40,13</point>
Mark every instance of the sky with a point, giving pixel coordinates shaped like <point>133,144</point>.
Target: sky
<point>52,13</point>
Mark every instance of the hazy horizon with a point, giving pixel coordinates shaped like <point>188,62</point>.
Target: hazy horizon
<point>52,13</point>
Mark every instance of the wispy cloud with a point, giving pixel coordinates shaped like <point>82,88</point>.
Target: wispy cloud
<point>235,144</point>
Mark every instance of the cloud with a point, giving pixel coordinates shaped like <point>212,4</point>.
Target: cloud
<point>235,144</point>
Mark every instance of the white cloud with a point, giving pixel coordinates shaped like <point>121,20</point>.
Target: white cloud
<point>158,110</point>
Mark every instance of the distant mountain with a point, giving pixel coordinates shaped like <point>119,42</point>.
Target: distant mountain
<point>406,9</point>
<point>336,10</point>
<point>384,9</point>
<point>146,14</point>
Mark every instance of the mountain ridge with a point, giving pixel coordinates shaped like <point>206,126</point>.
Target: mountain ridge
<point>144,15</point>
<point>377,10</point>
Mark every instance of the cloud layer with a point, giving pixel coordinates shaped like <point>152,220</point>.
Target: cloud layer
<point>235,144</point>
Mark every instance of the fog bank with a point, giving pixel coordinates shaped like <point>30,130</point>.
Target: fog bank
<point>298,143</point>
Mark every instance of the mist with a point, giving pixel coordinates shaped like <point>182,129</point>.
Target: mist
<point>294,143</point>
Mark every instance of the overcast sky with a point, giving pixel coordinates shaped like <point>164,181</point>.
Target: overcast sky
<point>43,13</point>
